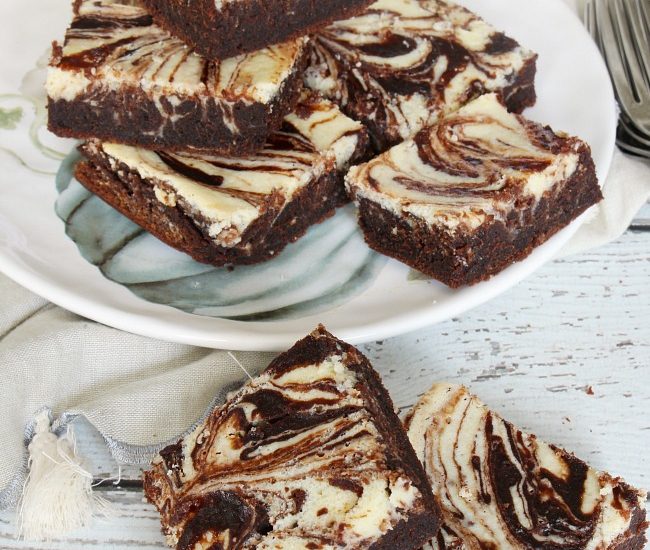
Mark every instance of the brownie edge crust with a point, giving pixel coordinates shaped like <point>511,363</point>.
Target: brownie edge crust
<point>309,454</point>
<point>468,258</point>
<point>228,28</point>
<point>132,117</point>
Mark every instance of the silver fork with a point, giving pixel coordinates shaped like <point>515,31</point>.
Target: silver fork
<point>621,29</point>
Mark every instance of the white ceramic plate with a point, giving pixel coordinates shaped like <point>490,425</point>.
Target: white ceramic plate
<point>368,303</point>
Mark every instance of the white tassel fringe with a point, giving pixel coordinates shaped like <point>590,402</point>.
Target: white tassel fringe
<point>58,492</point>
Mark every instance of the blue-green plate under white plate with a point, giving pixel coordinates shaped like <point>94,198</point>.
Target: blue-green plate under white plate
<point>326,268</point>
<point>68,246</point>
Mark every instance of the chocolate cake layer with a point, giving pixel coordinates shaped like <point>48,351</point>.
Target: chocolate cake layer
<point>404,63</point>
<point>502,488</point>
<point>119,77</point>
<point>308,455</point>
<point>223,28</point>
<point>474,193</point>
<point>233,210</point>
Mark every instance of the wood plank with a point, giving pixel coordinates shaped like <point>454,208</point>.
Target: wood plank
<point>535,354</point>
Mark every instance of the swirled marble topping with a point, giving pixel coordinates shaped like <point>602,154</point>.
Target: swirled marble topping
<point>502,488</point>
<point>302,457</point>
<point>115,43</point>
<point>469,196</point>
<point>225,195</point>
<point>116,62</point>
<point>404,63</point>
<point>473,167</point>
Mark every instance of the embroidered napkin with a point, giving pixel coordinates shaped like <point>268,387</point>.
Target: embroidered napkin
<point>139,393</point>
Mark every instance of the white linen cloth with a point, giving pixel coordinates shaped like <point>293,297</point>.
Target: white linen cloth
<point>141,393</point>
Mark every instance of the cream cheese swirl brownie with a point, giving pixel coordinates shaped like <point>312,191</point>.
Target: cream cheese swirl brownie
<point>499,487</point>
<point>233,210</point>
<point>119,77</point>
<point>224,28</point>
<point>309,455</point>
<point>403,63</point>
<point>474,193</point>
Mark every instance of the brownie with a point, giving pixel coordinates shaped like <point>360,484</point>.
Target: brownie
<point>403,63</point>
<point>119,77</point>
<point>499,487</point>
<point>474,193</point>
<point>223,28</point>
<point>233,210</point>
<point>310,454</point>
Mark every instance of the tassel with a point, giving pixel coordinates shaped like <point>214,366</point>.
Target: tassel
<point>58,492</point>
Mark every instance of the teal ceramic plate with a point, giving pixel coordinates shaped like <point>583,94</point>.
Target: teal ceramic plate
<point>70,247</point>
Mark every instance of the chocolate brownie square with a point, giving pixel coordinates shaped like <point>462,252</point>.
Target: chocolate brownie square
<point>499,487</point>
<point>119,77</point>
<point>233,210</point>
<point>223,28</point>
<point>474,193</point>
<point>310,454</point>
<point>404,63</point>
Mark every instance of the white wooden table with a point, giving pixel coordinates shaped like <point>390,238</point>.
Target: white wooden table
<point>566,355</point>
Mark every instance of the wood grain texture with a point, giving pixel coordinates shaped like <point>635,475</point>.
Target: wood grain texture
<point>565,354</point>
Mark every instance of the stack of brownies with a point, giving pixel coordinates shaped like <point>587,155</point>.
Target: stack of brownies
<point>227,127</point>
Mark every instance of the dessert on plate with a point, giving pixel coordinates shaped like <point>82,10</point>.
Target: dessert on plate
<point>233,210</point>
<point>309,454</point>
<point>229,160</point>
<point>225,28</point>
<point>472,194</point>
<point>499,487</point>
<point>119,77</point>
<point>402,64</point>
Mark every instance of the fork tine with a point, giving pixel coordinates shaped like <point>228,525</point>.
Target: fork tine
<point>641,31</point>
<point>612,53</point>
<point>630,129</point>
<point>630,52</point>
<point>640,39</point>
<point>645,12</point>
<point>632,149</point>
<point>590,20</point>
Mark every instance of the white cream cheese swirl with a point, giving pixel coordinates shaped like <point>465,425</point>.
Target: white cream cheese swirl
<point>114,44</point>
<point>404,63</point>
<point>501,488</point>
<point>471,167</point>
